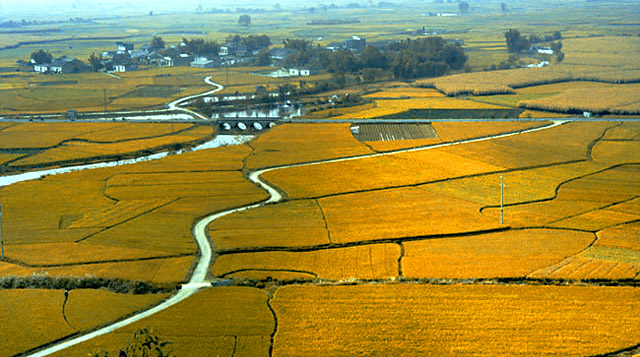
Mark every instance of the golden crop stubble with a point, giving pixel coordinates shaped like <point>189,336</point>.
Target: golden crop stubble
<point>294,143</point>
<point>378,261</point>
<point>440,320</point>
<point>514,253</point>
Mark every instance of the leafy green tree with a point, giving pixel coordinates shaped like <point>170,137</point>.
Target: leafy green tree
<point>372,57</point>
<point>263,58</point>
<point>245,20</point>
<point>41,56</point>
<point>515,41</point>
<point>295,44</point>
<point>157,42</point>
<point>428,57</point>
<point>95,62</point>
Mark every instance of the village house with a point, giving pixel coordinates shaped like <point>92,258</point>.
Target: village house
<point>301,72</point>
<point>123,47</point>
<point>280,53</point>
<point>355,44</point>
<point>334,46</point>
<point>203,62</point>
<point>42,68</point>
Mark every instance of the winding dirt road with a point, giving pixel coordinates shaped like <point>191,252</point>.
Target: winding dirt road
<point>198,280</point>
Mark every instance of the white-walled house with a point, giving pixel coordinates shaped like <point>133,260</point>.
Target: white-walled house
<point>42,68</point>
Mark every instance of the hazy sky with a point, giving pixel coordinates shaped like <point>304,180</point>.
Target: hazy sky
<point>160,4</point>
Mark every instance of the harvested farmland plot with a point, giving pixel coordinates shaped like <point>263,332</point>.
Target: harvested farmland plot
<point>289,224</point>
<point>294,143</point>
<point>392,132</point>
<point>212,320</point>
<point>379,261</point>
<point>513,253</point>
<point>455,320</point>
<point>369,216</point>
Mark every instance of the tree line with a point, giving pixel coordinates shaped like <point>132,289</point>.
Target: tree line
<point>423,57</point>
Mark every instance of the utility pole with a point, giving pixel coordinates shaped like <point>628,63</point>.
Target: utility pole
<point>1,236</point>
<point>104,90</point>
<point>501,200</point>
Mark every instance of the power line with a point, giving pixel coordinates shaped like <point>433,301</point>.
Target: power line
<point>501,200</point>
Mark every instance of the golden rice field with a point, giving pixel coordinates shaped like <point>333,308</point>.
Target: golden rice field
<point>405,92</point>
<point>159,270</point>
<point>289,224</point>
<point>295,143</point>
<point>415,213</point>
<point>218,321</point>
<point>519,151</point>
<point>333,112</point>
<point>44,144</point>
<point>455,320</point>
<point>379,261</point>
<point>577,185</point>
<point>395,106</point>
<point>90,226</point>
<point>5,158</point>
<point>580,204</point>
<point>33,324</point>
<point>78,150</point>
<point>453,131</point>
<point>620,99</point>
<point>495,255</point>
<point>520,185</point>
<point>583,62</point>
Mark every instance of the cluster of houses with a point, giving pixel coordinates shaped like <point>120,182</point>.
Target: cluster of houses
<point>125,57</point>
<point>63,64</point>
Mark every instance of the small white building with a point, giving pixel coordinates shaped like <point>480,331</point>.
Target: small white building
<point>545,51</point>
<point>125,67</point>
<point>300,72</point>
<point>42,68</point>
